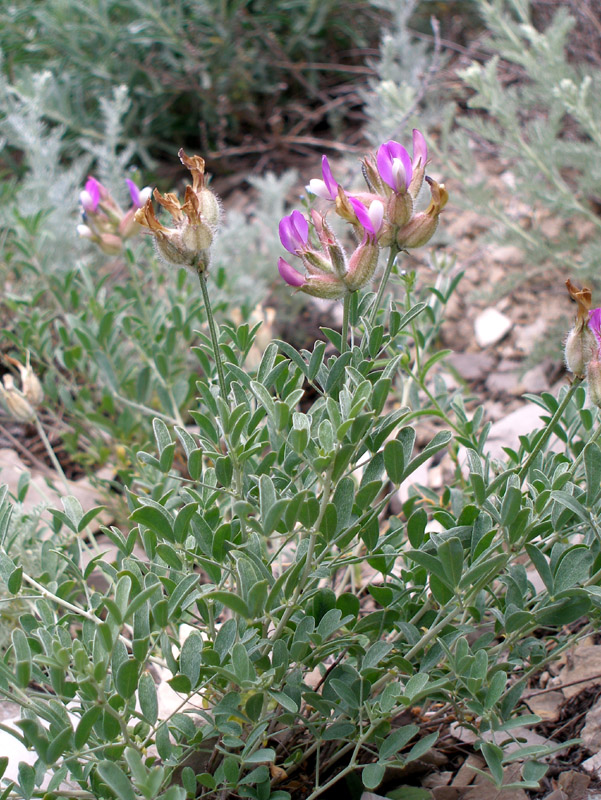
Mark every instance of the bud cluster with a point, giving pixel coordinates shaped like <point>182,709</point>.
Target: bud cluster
<point>21,403</point>
<point>194,222</point>
<point>384,216</point>
<point>104,222</point>
<point>583,343</point>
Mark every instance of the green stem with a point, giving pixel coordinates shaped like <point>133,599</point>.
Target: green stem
<point>346,306</point>
<point>300,586</point>
<point>51,453</point>
<point>374,309</point>
<point>580,455</point>
<point>549,429</point>
<point>202,277</point>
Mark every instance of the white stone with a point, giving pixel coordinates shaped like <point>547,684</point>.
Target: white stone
<point>491,326</point>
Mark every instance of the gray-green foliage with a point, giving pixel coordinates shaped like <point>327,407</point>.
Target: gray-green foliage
<point>247,247</point>
<point>531,106</point>
<point>41,200</point>
<point>403,92</point>
<point>194,66</point>
<point>544,127</point>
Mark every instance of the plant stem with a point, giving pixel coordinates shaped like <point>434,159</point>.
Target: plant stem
<point>580,455</point>
<point>327,486</point>
<point>549,429</point>
<point>391,259</point>
<point>346,305</point>
<point>51,453</point>
<point>202,277</point>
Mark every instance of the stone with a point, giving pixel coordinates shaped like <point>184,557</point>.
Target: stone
<point>491,326</point>
<point>506,432</point>
<point>39,491</point>
<point>501,383</point>
<point>466,773</point>
<point>547,705</point>
<point>472,367</point>
<point>574,784</point>
<point>582,670</point>
<point>536,380</point>
<point>593,765</point>
<point>526,335</point>
<point>506,254</point>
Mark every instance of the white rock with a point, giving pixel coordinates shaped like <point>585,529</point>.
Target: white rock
<point>491,326</point>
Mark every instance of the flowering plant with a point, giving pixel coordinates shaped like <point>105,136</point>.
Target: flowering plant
<point>284,606</point>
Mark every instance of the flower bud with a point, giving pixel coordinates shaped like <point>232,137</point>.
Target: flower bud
<point>30,384</point>
<point>16,403</point>
<point>362,265</point>
<point>400,209</point>
<point>421,227</point>
<point>581,341</point>
<point>579,350</point>
<point>110,243</point>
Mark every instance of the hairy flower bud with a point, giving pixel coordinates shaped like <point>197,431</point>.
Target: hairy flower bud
<point>580,344</point>
<point>421,227</point>
<point>16,403</point>
<point>579,350</point>
<point>362,265</point>
<point>30,383</point>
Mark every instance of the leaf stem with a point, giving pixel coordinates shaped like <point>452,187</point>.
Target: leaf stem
<point>391,259</point>
<point>202,277</point>
<point>346,305</point>
<point>549,429</point>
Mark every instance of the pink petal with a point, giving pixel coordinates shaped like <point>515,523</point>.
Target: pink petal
<point>289,274</point>
<point>294,231</point>
<point>420,149</point>
<point>329,181</point>
<point>394,166</point>
<point>134,193</point>
<point>362,215</point>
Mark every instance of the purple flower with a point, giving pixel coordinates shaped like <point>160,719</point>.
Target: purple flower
<point>294,232</point>
<point>394,166</point>
<point>90,197</point>
<point>289,274</point>
<point>138,196</point>
<point>326,188</point>
<point>420,150</point>
<point>371,218</point>
<point>594,323</point>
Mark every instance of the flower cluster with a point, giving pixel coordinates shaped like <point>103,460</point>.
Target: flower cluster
<point>583,344</point>
<point>104,222</point>
<point>195,221</point>
<point>384,216</point>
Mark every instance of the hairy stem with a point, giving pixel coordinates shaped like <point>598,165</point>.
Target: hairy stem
<point>391,259</point>
<point>202,277</point>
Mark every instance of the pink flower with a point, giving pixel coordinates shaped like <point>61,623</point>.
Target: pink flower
<point>90,196</point>
<point>289,274</point>
<point>370,219</point>
<point>326,188</point>
<point>294,232</point>
<point>138,196</point>
<point>394,166</point>
<point>594,323</point>
<point>420,150</point>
